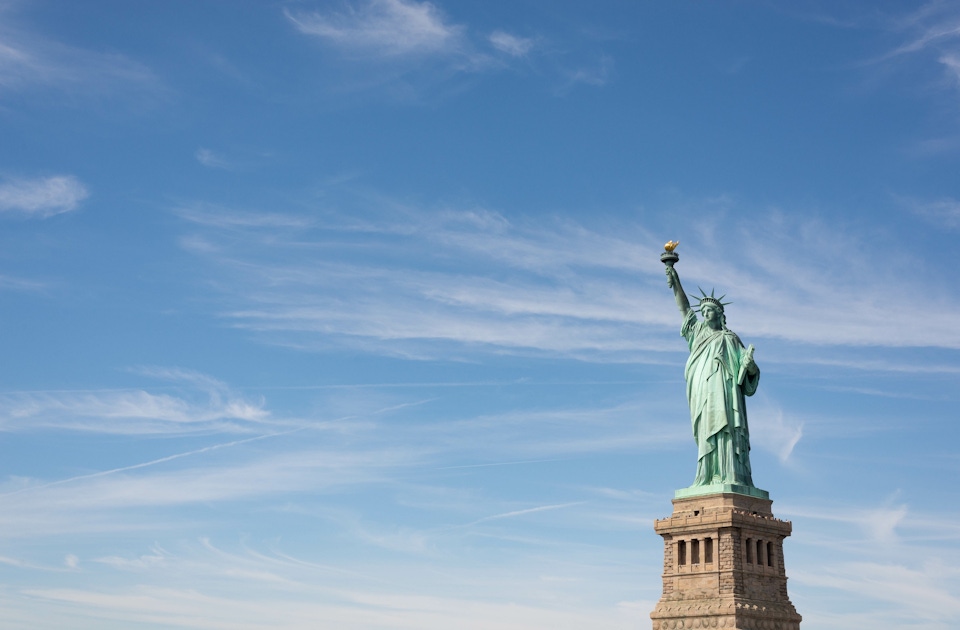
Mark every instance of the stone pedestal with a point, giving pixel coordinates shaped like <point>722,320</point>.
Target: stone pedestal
<point>723,566</point>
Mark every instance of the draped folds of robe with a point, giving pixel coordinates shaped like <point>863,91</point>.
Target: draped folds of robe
<point>716,386</point>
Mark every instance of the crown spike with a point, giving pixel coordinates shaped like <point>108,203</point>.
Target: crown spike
<point>710,299</point>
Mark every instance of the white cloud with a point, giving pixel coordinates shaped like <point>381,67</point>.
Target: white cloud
<point>525,511</point>
<point>421,283</point>
<point>42,197</point>
<point>935,24</point>
<point>322,457</point>
<point>882,556</point>
<point>775,432</point>
<point>912,596</point>
<point>130,412</point>
<point>934,27</point>
<point>28,61</point>
<point>217,216</point>
<point>511,44</point>
<point>206,585</point>
<point>596,75</point>
<point>135,411</point>
<point>383,28</point>
<point>122,500</point>
<point>881,524</point>
<point>409,305</point>
<point>287,471</point>
<point>944,212</point>
<point>877,524</point>
<point>210,159</point>
<point>347,609</point>
<point>951,62</point>
<point>20,284</point>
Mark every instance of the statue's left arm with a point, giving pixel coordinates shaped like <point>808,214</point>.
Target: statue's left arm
<point>749,377</point>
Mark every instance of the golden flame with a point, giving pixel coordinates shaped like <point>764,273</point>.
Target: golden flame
<point>671,245</point>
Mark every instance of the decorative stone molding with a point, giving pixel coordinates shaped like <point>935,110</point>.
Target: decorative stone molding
<point>723,566</point>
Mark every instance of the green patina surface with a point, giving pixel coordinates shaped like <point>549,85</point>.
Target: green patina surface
<point>721,488</point>
<point>720,374</point>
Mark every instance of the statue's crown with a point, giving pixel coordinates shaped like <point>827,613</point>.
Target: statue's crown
<point>703,298</point>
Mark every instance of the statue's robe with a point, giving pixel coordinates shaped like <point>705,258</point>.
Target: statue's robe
<point>716,386</point>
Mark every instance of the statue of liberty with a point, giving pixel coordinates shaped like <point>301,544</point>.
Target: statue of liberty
<point>720,372</point>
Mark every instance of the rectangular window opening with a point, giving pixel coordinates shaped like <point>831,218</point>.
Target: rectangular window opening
<point>708,550</point>
<point>682,552</point>
<point>769,554</point>
<point>695,552</point>
<point>749,550</point>
<point>760,552</point>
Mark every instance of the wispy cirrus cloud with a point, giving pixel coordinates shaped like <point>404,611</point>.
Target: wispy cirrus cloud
<point>922,595</point>
<point>204,405</point>
<point>409,281</point>
<point>185,478</point>
<point>426,305</point>
<point>944,211</point>
<point>29,60</point>
<point>512,45</point>
<point>934,25</point>
<point>11,283</point>
<point>319,455</point>
<point>43,196</point>
<point>510,591</point>
<point>387,28</point>
<point>951,63</point>
<point>225,218</point>
<point>596,74</point>
<point>415,44</point>
<point>526,511</point>
<point>777,433</point>
<point>886,555</point>
<point>350,609</point>
<point>932,30</point>
<point>210,159</point>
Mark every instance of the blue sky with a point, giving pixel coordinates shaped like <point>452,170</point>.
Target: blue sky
<point>351,313</point>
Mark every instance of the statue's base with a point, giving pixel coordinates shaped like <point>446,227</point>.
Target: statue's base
<point>721,488</point>
<point>723,565</point>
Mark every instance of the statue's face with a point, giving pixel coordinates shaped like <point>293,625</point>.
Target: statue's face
<point>711,314</point>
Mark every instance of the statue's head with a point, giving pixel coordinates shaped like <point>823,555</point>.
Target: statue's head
<point>711,308</point>
<point>713,314</point>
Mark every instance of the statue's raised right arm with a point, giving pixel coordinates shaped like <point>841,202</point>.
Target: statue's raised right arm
<point>673,281</point>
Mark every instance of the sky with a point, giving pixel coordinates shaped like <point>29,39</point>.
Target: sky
<point>350,314</point>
